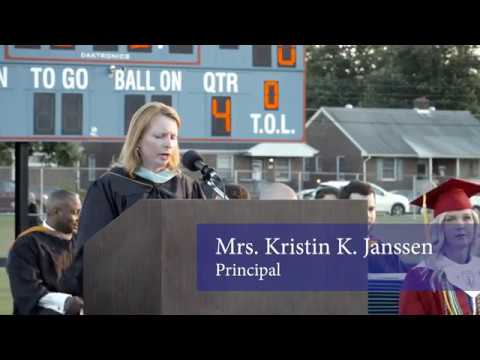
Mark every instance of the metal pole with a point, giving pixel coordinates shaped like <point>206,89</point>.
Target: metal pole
<point>41,192</point>
<point>300,181</point>
<point>430,171</point>
<point>414,190</point>
<point>339,157</point>
<point>77,180</point>
<point>12,167</point>
<point>338,168</point>
<point>21,187</point>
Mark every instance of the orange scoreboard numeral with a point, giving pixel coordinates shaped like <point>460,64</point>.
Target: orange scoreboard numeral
<point>271,95</point>
<point>225,117</point>
<point>287,55</point>
<point>66,47</point>
<point>140,48</point>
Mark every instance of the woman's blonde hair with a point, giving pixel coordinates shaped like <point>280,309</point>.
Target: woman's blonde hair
<point>437,239</point>
<point>130,157</point>
<point>437,232</point>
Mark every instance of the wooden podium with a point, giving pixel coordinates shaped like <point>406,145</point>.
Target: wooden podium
<point>145,261</point>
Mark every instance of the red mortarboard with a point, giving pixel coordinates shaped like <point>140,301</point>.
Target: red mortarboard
<point>452,195</point>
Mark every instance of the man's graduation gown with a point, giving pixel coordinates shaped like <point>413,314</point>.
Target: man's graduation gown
<point>35,264</point>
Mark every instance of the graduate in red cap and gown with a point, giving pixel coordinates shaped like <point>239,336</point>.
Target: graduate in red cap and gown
<point>447,282</point>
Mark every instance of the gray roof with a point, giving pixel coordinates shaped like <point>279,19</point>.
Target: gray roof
<point>290,150</point>
<point>407,132</point>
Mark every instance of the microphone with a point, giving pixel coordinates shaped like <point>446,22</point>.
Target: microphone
<point>194,162</point>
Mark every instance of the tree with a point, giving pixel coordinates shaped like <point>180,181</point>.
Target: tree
<point>337,73</point>
<point>6,154</point>
<point>394,75</point>
<point>62,154</point>
<point>445,74</point>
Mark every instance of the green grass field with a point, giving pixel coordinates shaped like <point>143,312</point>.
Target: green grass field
<point>406,219</point>
<point>5,297</point>
<point>7,233</point>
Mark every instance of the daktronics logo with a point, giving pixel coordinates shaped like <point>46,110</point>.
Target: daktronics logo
<point>100,55</point>
<point>120,54</point>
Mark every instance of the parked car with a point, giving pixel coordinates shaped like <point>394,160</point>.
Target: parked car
<point>409,194</point>
<point>308,194</point>
<point>7,196</point>
<point>388,202</point>
<point>37,191</point>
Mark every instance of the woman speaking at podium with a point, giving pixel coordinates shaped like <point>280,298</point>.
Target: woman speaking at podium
<point>148,168</point>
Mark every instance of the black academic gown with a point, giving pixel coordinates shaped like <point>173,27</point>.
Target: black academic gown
<point>107,198</point>
<point>35,264</point>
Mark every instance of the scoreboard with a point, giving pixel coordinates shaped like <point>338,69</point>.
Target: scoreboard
<point>253,93</point>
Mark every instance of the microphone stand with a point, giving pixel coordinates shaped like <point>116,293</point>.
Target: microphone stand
<point>209,176</point>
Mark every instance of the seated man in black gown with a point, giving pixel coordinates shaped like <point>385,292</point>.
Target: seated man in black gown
<point>39,257</point>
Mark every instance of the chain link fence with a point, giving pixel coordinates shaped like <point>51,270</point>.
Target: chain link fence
<point>44,180</point>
